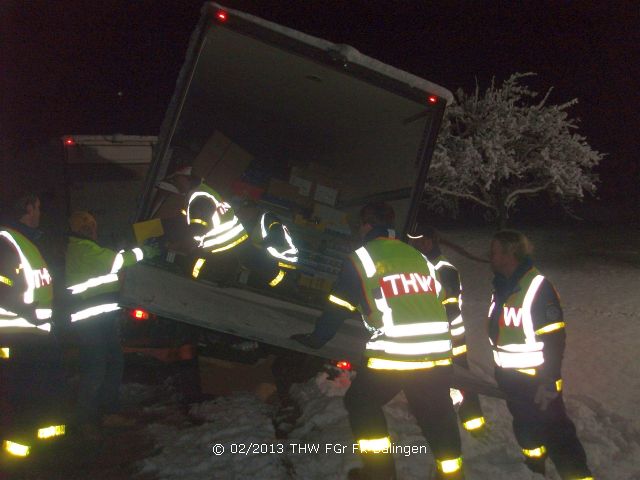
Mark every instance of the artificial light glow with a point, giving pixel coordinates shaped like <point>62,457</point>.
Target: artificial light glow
<point>16,449</point>
<point>344,365</point>
<point>374,445</point>
<point>474,423</point>
<point>535,452</point>
<point>140,314</point>
<point>450,466</point>
<point>52,431</point>
<point>221,15</point>
<point>433,99</point>
<point>69,142</point>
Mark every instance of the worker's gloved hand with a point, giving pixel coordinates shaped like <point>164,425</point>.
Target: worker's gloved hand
<point>545,394</point>
<point>151,250</point>
<point>306,339</point>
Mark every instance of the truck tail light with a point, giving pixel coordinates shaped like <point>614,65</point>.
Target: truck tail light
<point>139,314</point>
<point>69,142</point>
<point>344,365</point>
<point>221,15</point>
<point>433,99</point>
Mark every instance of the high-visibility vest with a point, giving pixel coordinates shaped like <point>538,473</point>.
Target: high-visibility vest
<point>225,230</point>
<point>39,289</point>
<point>441,264</point>
<point>406,317</point>
<point>92,277</point>
<point>517,345</point>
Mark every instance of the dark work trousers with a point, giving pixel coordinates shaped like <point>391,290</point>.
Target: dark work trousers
<point>470,407</point>
<point>101,365</point>
<point>551,428</point>
<point>427,392</point>
<point>32,384</point>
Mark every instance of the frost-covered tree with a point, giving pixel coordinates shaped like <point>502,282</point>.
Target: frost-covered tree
<point>497,147</point>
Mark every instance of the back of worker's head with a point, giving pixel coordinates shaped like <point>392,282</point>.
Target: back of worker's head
<point>84,224</point>
<point>377,214</point>
<point>514,243</point>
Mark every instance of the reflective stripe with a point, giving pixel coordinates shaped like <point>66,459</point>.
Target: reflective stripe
<point>550,328</point>
<point>341,302</point>
<point>93,311</point>
<point>474,423</point>
<point>518,359</point>
<point>457,320</point>
<point>277,279</point>
<point>384,364</point>
<point>199,222</point>
<point>449,466</point>
<point>446,301</point>
<point>559,385</point>
<point>23,323</point>
<point>535,452</point>
<point>458,331</point>
<point>527,321</point>
<point>6,280</point>
<point>528,371</point>
<point>491,307</point>
<point>52,431</point>
<point>138,253</point>
<point>196,267</point>
<point>118,262</point>
<point>442,263</point>
<point>456,396</point>
<point>374,445</point>
<point>231,245</point>
<point>93,282</point>
<point>218,239</point>
<point>43,313</point>
<point>414,237</point>
<point>459,350</point>
<point>367,262</point>
<point>288,254</point>
<point>415,329</point>
<point>436,346</point>
<point>16,449</point>
<point>5,352</point>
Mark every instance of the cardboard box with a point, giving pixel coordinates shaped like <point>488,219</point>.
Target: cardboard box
<point>223,377</point>
<point>325,194</point>
<point>221,162</point>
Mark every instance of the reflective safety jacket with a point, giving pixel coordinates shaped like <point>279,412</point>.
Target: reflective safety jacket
<point>92,277</point>
<point>403,308</point>
<point>26,281</point>
<point>449,278</point>
<point>272,236</point>
<point>523,323</point>
<point>222,228</point>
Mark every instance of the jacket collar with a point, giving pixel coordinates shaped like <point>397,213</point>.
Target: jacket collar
<point>505,286</point>
<point>379,231</point>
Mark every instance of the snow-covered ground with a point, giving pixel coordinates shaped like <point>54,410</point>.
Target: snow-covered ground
<point>598,277</point>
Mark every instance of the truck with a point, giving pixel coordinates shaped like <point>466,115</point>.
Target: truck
<point>303,128</point>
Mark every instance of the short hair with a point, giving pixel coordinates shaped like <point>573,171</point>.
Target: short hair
<point>377,213</point>
<point>514,242</point>
<point>82,222</point>
<point>19,204</point>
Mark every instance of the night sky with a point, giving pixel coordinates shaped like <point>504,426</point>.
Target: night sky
<point>103,67</point>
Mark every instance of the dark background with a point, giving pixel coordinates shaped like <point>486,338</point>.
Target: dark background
<point>72,67</point>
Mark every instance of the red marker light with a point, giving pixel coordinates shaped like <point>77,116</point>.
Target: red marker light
<point>433,99</point>
<point>139,314</point>
<point>69,142</point>
<point>344,365</point>
<point>221,15</point>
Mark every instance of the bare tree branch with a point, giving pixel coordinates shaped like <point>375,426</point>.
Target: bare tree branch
<point>468,196</point>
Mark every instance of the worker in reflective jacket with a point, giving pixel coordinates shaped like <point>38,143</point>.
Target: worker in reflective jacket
<point>526,331</point>
<point>92,280</point>
<point>274,242</point>
<point>426,239</point>
<point>211,220</point>
<point>396,290</point>
<point>31,375</point>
